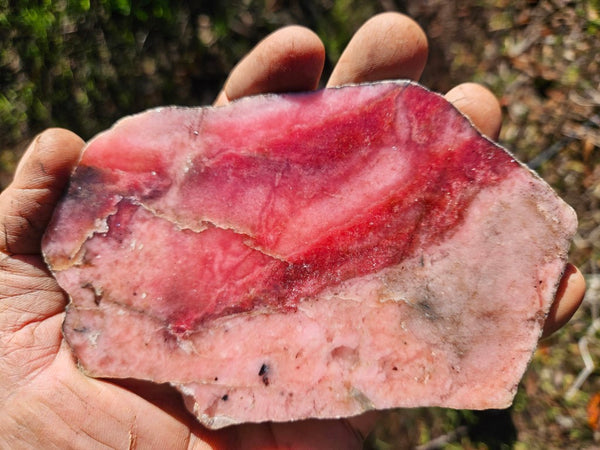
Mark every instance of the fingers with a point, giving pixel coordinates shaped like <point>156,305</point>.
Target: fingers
<point>290,59</point>
<point>26,205</point>
<point>482,107</point>
<point>479,105</point>
<point>388,46</point>
<point>568,298</point>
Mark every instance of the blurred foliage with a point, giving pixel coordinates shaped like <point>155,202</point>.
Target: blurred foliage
<point>74,64</point>
<point>84,64</point>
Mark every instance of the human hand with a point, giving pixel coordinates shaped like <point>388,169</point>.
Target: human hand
<point>46,401</point>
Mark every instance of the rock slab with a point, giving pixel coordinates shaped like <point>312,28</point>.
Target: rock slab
<point>308,255</point>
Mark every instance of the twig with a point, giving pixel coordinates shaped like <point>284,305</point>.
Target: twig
<point>572,132</point>
<point>549,153</point>
<point>440,441</point>
<point>585,372</point>
<point>588,362</point>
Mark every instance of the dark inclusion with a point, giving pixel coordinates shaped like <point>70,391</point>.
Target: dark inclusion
<point>83,182</point>
<point>426,307</point>
<point>264,373</point>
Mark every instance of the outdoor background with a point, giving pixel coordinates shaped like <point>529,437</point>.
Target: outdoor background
<point>83,64</point>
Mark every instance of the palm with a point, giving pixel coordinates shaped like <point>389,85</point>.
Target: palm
<point>46,401</point>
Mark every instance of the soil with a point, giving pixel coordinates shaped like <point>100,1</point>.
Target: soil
<point>542,60</point>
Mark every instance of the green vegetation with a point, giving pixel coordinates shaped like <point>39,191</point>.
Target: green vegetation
<point>82,65</point>
<point>69,64</point>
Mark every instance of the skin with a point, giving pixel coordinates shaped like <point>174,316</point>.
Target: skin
<point>47,402</point>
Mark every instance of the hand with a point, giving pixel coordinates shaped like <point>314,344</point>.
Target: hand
<point>46,401</point>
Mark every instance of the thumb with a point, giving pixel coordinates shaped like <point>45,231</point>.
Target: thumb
<point>26,205</point>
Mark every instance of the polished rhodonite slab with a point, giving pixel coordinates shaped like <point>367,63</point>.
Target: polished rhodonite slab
<point>308,255</point>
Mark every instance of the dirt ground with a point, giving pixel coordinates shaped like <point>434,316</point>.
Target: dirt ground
<point>542,60</point>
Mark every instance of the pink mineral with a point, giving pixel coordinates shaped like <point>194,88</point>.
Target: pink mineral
<point>308,255</point>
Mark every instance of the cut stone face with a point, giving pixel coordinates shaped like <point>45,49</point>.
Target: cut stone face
<point>308,255</point>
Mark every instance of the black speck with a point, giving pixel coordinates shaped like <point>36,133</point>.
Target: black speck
<point>394,368</point>
<point>425,306</point>
<point>216,378</point>
<point>263,370</point>
<point>427,309</point>
<point>264,373</point>
<point>225,398</point>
